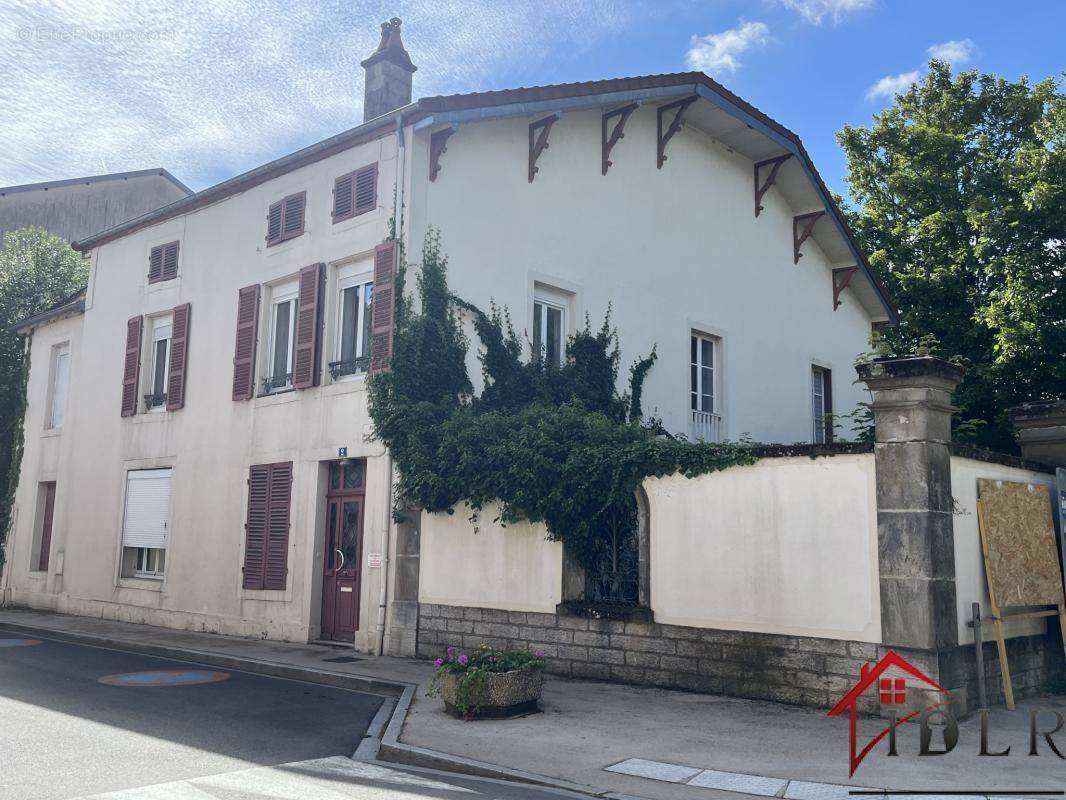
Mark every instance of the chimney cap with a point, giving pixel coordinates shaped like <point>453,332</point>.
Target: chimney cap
<point>391,47</point>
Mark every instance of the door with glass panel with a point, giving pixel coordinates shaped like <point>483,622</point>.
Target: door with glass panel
<point>343,550</point>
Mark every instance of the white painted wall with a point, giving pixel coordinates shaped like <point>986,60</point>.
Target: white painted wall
<point>669,250</point>
<point>512,567</point>
<point>212,441</point>
<point>787,545</point>
<point>970,583</point>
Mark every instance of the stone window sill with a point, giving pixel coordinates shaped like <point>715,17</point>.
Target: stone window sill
<point>588,610</point>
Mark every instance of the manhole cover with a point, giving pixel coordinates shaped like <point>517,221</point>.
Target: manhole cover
<point>342,660</point>
<point>167,677</point>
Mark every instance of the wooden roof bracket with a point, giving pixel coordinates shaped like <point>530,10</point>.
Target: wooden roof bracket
<point>608,142</point>
<point>762,188</point>
<point>841,278</point>
<point>800,235</point>
<point>679,120</point>
<point>438,146</point>
<point>538,141</point>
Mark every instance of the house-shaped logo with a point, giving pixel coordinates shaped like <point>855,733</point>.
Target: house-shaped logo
<point>891,692</point>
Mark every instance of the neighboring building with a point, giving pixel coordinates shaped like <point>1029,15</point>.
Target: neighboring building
<point>196,439</point>
<point>80,207</point>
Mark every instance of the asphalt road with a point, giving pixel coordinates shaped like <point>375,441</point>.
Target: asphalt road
<point>66,734</point>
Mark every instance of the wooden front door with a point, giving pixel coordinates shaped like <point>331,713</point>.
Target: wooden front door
<point>343,551</point>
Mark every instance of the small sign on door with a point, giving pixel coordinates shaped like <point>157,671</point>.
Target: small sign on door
<point>373,560</point>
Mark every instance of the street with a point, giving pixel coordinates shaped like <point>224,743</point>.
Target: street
<point>82,721</point>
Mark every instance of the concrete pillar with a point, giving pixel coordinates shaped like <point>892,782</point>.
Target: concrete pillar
<point>1041,427</point>
<point>403,609</point>
<point>912,417</point>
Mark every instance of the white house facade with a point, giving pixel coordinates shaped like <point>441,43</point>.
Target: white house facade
<point>198,452</point>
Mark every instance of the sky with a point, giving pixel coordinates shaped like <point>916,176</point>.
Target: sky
<point>211,89</point>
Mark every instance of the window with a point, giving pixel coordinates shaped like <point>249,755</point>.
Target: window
<point>822,405</point>
<point>46,503</point>
<point>155,398</point>
<point>163,262</point>
<point>282,337</point>
<point>705,421</point>
<point>285,218</point>
<point>266,546</point>
<point>354,323</point>
<point>550,323</point>
<point>60,382</point>
<point>355,193</point>
<point>145,523</point>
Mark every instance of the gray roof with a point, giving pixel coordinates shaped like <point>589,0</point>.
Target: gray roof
<point>111,176</point>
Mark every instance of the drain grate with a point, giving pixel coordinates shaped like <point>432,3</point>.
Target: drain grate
<point>342,660</point>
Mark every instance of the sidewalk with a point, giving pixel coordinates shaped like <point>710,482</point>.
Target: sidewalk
<point>587,727</point>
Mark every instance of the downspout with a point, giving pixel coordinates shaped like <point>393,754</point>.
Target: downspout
<point>383,595</point>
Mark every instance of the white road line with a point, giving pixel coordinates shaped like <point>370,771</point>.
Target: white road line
<point>655,770</point>
<point>739,782</point>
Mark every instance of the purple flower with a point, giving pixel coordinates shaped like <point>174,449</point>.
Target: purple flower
<point>539,653</point>
<point>463,660</point>
<point>438,663</point>
<point>451,651</point>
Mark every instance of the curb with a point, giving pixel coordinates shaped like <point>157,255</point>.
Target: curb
<point>381,742</point>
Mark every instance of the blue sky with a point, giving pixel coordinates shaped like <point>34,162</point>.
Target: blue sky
<point>211,89</point>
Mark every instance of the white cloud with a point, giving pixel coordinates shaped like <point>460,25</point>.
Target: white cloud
<point>720,52</point>
<point>210,88</point>
<point>891,85</point>
<point>957,52</point>
<point>814,11</point>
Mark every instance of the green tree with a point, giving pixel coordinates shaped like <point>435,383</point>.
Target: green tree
<point>37,271</point>
<point>961,193</point>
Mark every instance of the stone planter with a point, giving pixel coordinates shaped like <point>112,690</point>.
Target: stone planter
<point>507,694</point>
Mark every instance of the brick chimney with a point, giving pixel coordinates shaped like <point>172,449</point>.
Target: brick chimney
<point>389,70</point>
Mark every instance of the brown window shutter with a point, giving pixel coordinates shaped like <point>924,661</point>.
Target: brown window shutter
<point>46,528</point>
<point>292,215</point>
<point>179,357</point>
<point>383,310</point>
<point>344,197</point>
<point>274,224</point>
<point>155,264</point>
<point>255,528</point>
<point>276,561</point>
<point>305,362</point>
<point>244,352</point>
<point>366,189</point>
<point>131,371</point>
<point>170,261</point>
<point>827,403</point>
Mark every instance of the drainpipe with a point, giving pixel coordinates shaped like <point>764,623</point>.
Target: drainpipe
<point>383,595</point>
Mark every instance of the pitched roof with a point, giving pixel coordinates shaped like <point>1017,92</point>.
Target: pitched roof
<point>474,105</point>
<point>70,305</point>
<point>111,176</point>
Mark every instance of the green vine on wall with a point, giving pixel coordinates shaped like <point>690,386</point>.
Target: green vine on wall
<point>551,443</point>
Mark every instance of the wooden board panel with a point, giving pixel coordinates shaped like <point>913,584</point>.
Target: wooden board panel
<point>1019,537</point>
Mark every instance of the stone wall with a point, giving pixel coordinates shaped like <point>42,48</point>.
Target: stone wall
<point>791,669</point>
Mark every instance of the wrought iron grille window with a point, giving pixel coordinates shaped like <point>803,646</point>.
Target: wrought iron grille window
<point>354,366</point>
<point>614,574</point>
<point>275,382</point>
<point>155,400</point>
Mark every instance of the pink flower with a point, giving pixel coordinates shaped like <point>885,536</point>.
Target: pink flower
<point>464,660</point>
<point>438,663</point>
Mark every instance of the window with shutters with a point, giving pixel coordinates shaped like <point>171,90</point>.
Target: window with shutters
<point>285,218</point>
<point>58,386</point>
<point>551,321</point>
<point>42,537</point>
<point>266,545</point>
<point>281,337</point>
<point>705,422</point>
<point>163,262</point>
<point>355,193</point>
<point>145,523</point>
<point>158,360</point>
<point>821,405</point>
<point>355,293</point>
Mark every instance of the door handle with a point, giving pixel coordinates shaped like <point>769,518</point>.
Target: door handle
<point>342,559</point>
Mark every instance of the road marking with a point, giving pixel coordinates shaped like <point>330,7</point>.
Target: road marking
<point>739,782</point>
<point>164,677</point>
<point>333,778</point>
<point>19,642</point>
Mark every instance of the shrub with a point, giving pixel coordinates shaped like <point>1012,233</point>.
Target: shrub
<point>473,671</point>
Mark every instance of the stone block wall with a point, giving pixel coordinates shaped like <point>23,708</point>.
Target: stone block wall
<point>791,669</point>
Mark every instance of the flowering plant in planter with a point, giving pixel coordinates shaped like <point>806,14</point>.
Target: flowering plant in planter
<point>467,681</point>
